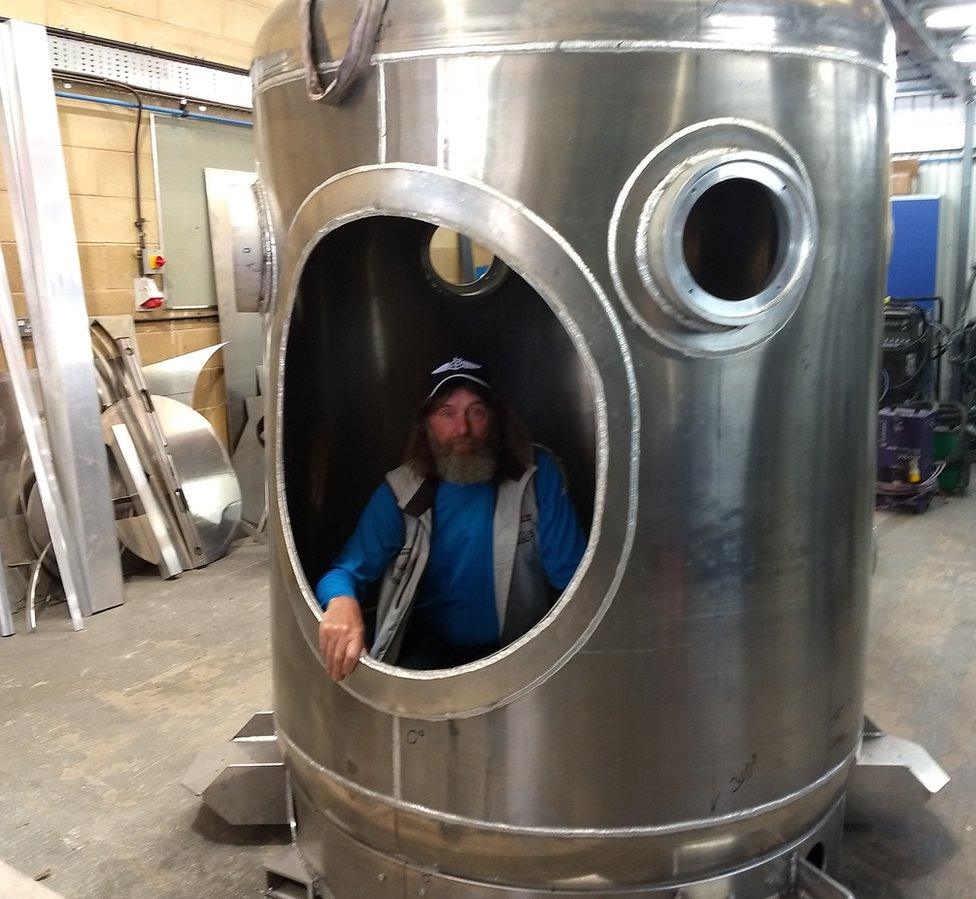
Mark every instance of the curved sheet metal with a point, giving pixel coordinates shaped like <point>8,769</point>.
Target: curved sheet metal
<point>853,31</point>
<point>177,377</point>
<point>206,477</point>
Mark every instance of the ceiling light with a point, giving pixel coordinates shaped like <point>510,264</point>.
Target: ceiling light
<point>951,18</point>
<point>965,52</point>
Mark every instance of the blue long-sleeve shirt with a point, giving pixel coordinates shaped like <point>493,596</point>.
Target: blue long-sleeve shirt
<point>456,596</point>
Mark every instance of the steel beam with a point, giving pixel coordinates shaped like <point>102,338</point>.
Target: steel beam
<point>48,251</point>
<point>917,87</point>
<point>965,216</point>
<point>953,77</point>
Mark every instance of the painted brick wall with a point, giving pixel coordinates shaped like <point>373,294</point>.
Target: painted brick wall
<point>216,30</point>
<point>98,145</point>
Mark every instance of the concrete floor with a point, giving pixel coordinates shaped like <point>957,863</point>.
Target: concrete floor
<point>99,726</point>
<point>922,685</point>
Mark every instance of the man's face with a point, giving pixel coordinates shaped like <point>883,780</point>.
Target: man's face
<point>460,422</point>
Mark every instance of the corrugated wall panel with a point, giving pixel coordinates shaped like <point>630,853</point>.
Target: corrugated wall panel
<point>942,177</point>
<point>931,129</point>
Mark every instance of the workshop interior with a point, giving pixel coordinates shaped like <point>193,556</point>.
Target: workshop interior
<point>487,450</point>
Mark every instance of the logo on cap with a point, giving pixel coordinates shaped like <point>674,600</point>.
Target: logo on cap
<point>456,364</point>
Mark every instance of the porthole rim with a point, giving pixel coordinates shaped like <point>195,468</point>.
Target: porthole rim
<point>661,261</point>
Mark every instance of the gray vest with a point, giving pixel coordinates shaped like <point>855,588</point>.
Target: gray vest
<point>521,592</point>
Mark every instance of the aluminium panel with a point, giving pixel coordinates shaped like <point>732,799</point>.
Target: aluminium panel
<point>47,247</point>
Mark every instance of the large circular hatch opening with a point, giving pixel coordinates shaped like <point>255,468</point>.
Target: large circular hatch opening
<point>368,326</point>
<point>731,239</point>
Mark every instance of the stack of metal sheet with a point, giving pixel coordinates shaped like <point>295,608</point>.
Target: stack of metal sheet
<point>165,490</point>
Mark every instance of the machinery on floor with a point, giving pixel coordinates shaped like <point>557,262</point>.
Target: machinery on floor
<point>924,446</point>
<point>908,473</point>
<point>910,347</point>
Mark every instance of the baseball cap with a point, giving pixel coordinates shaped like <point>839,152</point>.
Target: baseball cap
<point>458,369</point>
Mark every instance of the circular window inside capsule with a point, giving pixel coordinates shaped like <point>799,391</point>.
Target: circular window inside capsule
<point>458,266</point>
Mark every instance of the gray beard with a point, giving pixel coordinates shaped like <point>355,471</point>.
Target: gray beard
<point>474,467</point>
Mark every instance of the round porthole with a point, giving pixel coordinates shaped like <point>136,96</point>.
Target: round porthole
<point>458,266</point>
<point>731,239</point>
<point>713,238</point>
<point>728,237</point>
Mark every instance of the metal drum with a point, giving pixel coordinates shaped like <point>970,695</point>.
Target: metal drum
<point>686,206</point>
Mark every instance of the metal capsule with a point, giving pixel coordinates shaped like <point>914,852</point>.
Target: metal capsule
<point>688,205</point>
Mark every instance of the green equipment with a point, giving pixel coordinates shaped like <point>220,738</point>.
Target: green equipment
<point>954,446</point>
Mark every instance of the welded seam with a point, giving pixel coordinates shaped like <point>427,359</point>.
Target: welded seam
<point>397,758</point>
<point>573,832</point>
<point>820,54</point>
<point>624,196</point>
<point>381,113</point>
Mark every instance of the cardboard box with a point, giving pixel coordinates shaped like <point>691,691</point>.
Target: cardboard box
<point>904,177</point>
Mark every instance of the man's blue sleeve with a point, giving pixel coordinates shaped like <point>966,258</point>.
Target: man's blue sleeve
<point>378,537</point>
<point>561,539</point>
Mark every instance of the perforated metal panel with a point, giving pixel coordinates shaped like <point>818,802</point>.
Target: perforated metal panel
<point>143,70</point>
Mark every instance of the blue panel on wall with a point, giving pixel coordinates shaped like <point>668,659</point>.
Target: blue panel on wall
<point>915,251</point>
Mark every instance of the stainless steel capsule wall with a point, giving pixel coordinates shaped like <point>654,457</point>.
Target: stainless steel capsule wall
<point>690,200</point>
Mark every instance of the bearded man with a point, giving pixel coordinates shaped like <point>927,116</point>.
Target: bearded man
<point>474,537</point>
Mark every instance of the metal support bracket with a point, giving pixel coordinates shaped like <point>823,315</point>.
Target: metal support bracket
<point>287,877</point>
<point>812,883</point>
<point>892,775</point>
<point>244,780</point>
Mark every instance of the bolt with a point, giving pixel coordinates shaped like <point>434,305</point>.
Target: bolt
<point>381,877</point>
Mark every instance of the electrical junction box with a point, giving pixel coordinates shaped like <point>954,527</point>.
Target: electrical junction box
<point>148,294</point>
<point>152,262</point>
